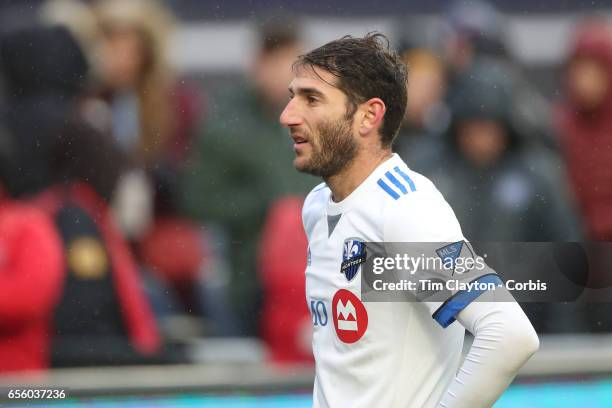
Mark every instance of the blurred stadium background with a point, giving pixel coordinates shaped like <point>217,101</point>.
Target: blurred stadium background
<point>142,162</point>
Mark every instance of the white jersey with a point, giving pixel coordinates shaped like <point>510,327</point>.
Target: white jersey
<point>378,354</point>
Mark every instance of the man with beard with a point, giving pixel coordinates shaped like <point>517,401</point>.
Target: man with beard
<point>348,98</point>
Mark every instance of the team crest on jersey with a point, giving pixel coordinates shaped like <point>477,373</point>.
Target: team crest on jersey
<point>350,316</point>
<point>455,255</point>
<point>353,255</point>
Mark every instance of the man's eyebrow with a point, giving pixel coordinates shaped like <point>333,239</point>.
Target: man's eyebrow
<point>306,91</point>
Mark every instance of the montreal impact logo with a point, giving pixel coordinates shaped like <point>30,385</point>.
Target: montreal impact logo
<point>353,255</point>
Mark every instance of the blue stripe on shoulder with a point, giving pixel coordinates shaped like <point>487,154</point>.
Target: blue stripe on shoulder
<point>446,314</point>
<point>388,189</point>
<point>406,178</point>
<point>396,182</point>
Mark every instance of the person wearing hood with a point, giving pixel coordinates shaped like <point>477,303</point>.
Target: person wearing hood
<point>584,122</point>
<point>44,73</point>
<point>476,30</point>
<point>500,186</point>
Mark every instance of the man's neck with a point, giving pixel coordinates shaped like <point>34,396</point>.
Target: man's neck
<point>355,173</point>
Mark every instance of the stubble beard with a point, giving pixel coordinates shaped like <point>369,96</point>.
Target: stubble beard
<point>334,150</point>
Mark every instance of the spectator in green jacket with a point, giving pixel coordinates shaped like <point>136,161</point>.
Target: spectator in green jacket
<point>243,163</point>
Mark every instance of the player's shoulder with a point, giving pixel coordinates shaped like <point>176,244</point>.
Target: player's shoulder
<point>314,206</point>
<point>399,185</point>
<point>317,196</point>
<point>421,212</point>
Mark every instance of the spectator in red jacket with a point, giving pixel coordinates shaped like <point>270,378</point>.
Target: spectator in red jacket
<point>286,327</point>
<point>31,271</point>
<point>585,124</point>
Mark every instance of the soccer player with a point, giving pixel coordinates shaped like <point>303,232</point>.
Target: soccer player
<point>348,98</point>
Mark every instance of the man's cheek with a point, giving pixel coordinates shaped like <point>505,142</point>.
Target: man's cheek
<point>314,140</point>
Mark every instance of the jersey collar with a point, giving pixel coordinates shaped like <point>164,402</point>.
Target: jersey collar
<point>335,208</point>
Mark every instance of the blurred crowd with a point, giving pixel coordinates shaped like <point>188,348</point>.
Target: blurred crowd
<point>140,210</point>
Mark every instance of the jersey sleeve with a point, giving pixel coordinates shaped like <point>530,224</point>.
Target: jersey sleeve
<point>425,226</point>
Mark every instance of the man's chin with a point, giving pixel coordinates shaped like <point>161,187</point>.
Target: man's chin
<point>303,166</point>
<point>300,164</point>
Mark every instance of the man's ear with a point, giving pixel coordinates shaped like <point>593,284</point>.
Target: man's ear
<point>373,111</point>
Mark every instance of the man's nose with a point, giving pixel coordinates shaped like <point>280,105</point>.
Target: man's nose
<point>289,116</point>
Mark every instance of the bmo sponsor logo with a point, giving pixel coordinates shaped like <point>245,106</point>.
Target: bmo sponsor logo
<point>350,316</point>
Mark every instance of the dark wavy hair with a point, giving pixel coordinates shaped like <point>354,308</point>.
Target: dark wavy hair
<point>365,68</point>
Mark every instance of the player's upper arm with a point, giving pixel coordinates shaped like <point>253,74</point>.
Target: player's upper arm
<point>428,223</point>
<point>423,216</point>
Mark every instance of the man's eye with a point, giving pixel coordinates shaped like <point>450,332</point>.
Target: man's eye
<point>312,99</point>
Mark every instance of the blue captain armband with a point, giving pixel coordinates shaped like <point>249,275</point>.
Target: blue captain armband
<point>446,314</point>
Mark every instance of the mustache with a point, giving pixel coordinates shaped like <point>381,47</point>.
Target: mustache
<point>298,132</point>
